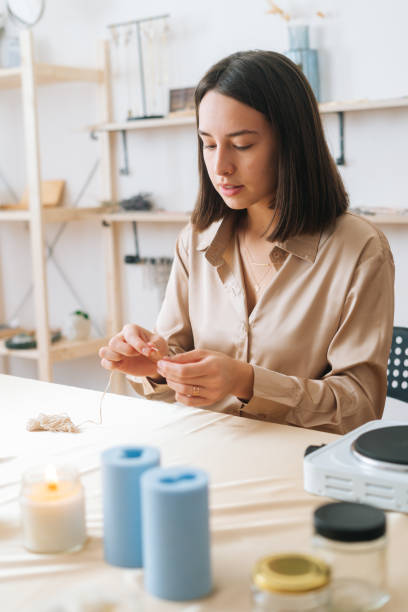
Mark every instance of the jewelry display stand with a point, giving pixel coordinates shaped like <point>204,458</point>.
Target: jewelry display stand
<point>139,48</point>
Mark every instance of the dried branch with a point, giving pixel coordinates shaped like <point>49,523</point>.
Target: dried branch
<point>276,10</point>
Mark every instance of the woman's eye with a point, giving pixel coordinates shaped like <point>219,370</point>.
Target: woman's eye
<point>237,147</point>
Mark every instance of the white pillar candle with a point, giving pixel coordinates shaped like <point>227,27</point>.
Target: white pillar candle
<point>52,510</point>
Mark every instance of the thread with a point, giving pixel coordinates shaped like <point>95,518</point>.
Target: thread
<point>62,422</point>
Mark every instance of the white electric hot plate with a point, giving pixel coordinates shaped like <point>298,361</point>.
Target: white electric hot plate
<point>368,465</point>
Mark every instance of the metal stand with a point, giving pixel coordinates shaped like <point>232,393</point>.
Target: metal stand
<point>137,23</point>
<point>340,161</point>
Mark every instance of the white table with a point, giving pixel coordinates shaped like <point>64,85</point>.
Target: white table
<point>258,505</point>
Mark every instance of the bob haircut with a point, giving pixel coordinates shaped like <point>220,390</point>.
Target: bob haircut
<point>310,194</point>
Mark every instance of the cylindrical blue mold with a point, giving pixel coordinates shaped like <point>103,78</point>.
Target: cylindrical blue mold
<point>122,467</point>
<point>176,540</point>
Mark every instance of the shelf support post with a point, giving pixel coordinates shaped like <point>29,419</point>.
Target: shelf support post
<point>32,149</point>
<point>111,230</point>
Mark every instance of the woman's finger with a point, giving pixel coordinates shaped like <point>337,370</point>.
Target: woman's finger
<point>190,400</point>
<point>188,357</point>
<point>106,353</point>
<point>132,336</point>
<point>182,371</point>
<point>204,380</point>
<point>194,390</point>
<point>119,345</point>
<point>110,365</point>
<point>154,353</point>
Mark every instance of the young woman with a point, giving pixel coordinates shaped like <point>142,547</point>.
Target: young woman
<point>279,305</point>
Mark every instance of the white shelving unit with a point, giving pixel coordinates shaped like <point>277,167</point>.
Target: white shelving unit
<point>326,108</point>
<point>147,217</point>
<point>28,77</point>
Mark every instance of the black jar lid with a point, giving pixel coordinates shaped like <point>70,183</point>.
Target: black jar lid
<point>349,522</point>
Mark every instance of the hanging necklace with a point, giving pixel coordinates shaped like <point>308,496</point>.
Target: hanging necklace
<point>251,257</point>
<point>258,283</point>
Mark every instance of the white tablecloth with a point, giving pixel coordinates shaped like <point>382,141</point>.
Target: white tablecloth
<point>258,505</point>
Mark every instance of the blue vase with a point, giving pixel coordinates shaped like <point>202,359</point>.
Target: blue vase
<point>304,57</point>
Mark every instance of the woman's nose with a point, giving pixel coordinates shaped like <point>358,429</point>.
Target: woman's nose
<point>223,164</point>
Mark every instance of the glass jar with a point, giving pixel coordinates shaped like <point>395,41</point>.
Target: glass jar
<point>52,510</point>
<point>350,537</point>
<point>10,56</point>
<point>290,582</point>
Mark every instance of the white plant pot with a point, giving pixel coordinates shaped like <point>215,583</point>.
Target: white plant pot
<point>77,327</point>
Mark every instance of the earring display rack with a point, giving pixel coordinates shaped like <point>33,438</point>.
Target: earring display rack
<point>144,42</point>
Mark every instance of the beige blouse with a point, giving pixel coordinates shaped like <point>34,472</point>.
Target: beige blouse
<point>318,337</point>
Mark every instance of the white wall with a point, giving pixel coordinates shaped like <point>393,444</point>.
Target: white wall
<point>363,54</point>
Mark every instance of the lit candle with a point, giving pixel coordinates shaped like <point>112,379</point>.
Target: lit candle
<point>53,510</point>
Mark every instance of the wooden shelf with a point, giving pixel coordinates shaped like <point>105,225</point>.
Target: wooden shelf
<point>362,105</point>
<point>24,353</point>
<point>387,219</point>
<point>46,74</point>
<point>60,214</point>
<point>176,217</point>
<point>64,349</point>
<point>143,124</point>
<point>164,216</point>
<point>325,109</point>
<point>10,78</point>
<point>14,215</point>
<point>59,351</point>
<point>57,214</point>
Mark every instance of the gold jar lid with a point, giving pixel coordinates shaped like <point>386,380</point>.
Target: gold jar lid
<point>290,573</point>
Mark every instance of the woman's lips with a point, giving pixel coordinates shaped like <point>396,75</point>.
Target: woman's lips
<point>231,190</point>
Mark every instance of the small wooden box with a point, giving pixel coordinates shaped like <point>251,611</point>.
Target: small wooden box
<point>51,193</point>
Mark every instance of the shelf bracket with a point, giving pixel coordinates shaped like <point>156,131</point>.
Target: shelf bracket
<point>133,259</point>
<point>137,259</point>
<point>340,161</point>
<point>125,168</point>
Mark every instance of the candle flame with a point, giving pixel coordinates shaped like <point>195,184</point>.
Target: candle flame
<point>51,477</point>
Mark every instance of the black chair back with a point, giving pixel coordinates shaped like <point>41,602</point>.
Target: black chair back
<point>397,370</point>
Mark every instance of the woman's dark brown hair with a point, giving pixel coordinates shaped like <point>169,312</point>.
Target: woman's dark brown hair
<point>310,194</point>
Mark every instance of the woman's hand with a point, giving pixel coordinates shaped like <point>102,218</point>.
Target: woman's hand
<point>134,351</point>
<point>202,377</point>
